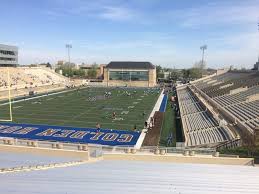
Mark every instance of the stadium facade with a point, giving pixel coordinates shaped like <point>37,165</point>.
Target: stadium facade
<point>128,73</point>
<point>8,55</point>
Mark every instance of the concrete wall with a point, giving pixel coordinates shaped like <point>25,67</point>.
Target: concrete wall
<point>177,158</point>
<point>83,155</point>
<point>152,77</point>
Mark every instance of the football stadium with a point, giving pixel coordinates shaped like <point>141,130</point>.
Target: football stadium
<point>49,121</point>
<point>123,107</point>
<point>42,97</point>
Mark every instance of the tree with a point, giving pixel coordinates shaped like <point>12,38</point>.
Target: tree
<point>175,74</point>
<point>250,143</point>
<point>92,73</point>
<point>186,73</point>
<point>79,72</point>
<point>160,75</point>
<point>158,69</point>
<point>195,73</point>
<point>201,65</point>
<point>68,72</point>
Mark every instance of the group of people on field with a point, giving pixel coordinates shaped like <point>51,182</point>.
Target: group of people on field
<point>132,94</point>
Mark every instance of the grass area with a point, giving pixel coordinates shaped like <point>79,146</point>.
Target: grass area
<point>168,125</point>
<point>86,107</point>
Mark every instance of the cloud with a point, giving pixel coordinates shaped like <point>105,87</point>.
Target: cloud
<point>138,40</point>
<point>171,35</point>
<point>213,13</point>
<point>93,9</point>
<point>29,56</point>
<point>237,58</point>
<point>134,44</point>
<point>217,13</point>
<point>117,13</point>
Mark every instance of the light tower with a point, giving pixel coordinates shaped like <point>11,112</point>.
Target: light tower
<point>68,46</point>
<point>203,48</point>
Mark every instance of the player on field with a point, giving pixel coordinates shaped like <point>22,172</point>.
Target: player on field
<point>135,127</point>
<point>98,127</point>
<point>114,115</point>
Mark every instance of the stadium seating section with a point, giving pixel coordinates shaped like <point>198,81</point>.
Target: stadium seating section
<point>23,78</point>
<point>235,92</point>
<point>199,127</point>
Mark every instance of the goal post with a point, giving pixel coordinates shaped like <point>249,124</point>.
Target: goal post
<point>9,103</point>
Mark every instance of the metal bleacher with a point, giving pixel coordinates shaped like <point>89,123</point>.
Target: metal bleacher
<point>200,128</point>
<point>237,94</point>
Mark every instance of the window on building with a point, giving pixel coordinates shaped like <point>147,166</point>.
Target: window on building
<point>4,52</point>
<point>129,75</point>
<point>7,59</point>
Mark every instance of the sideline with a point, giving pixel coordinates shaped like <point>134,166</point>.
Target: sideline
<point>156,108</point>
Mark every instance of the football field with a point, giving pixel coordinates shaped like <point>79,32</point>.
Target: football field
<point>86,107</point>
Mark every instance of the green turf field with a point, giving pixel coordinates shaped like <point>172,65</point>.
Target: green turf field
<point>86,107</point>
<point>169,126</point>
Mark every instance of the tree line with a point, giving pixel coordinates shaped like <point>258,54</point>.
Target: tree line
<point>72,72</point>
<point>196,72</point>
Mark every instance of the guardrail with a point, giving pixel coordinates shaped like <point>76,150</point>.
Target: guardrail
<point>96,151</point>
<point>230,144</point>
<point>43,144</point>
<point>152,149</point>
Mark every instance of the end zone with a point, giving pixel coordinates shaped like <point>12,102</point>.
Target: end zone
<point>108,137</point>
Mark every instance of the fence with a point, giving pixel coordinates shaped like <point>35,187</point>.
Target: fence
<point>96,151</point>
<point>230,144</point>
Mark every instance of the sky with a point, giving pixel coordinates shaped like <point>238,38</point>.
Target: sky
<point>164,32</point>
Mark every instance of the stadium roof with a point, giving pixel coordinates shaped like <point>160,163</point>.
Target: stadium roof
<point>130,65</point>
<point>125,177</point>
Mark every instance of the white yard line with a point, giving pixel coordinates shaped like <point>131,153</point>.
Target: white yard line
<point>36,97</point>
<point>15,107</point>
